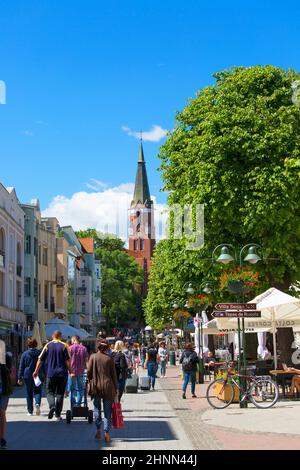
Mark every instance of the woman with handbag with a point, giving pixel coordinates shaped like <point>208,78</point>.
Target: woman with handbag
<point>102,387</point>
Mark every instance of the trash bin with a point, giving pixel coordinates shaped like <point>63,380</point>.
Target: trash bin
<point>172,358</point>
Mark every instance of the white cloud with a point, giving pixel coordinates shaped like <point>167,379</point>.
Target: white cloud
<point>155,134</point>
<point>106,210</point>
<point>28,133</point>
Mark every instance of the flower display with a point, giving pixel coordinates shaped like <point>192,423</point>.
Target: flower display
<point>245,276</point>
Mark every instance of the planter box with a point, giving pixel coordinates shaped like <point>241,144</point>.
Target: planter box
<point>225,394</point>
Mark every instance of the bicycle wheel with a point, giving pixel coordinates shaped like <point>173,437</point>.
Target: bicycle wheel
<point>220,394</point>
<point>264,393</point>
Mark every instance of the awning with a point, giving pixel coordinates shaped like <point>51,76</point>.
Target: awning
<point>66,330</point>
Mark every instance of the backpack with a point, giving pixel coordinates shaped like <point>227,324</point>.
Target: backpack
<point>117,357</point>
<point>152,353</point>
<point>188,363</point>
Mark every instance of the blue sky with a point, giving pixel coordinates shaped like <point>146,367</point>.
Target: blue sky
<point>77,71</point>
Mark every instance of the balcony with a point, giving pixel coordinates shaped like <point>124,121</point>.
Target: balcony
<point>81,291</point>
<point>60,281</point>
<point>2,259</point>
<point>19,270</point>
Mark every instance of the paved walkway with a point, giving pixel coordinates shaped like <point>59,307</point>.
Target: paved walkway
<point>150,423</point>
<point>162,420</point>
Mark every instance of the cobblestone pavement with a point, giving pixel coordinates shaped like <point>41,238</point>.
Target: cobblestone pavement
<point>235,428</point>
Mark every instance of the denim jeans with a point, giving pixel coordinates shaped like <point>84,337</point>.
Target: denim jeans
<point>187,376</point>
<point>152,369</point>
<point>76,390</point>
<point>163,367</point>
<point>32,391</point>
<point>107,408</point>
<point>121,387</point>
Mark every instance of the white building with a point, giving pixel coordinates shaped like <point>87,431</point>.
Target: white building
<point>12,318</point>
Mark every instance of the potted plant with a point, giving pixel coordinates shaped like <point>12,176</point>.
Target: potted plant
<point>225,394</point>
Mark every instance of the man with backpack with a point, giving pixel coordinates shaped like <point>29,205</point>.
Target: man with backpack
<point>189,361</point>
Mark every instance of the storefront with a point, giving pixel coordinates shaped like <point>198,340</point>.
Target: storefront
<point>12,329</point>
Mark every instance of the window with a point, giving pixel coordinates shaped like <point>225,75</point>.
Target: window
<point>83,283</point>
<point>28,244</point>
<point>35,287</point>
<point>98,308</point>
<point>45,256</point>
<point>40,254</point>
<point>27,286</point>
<point>136,245</point>
<point>46,296</point>
<point>142,244</point>
<point>35,246</point>
<point>40,295</point>
<point>83,307</point>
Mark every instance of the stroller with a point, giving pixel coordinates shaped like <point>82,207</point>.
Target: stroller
<point>81,411</point>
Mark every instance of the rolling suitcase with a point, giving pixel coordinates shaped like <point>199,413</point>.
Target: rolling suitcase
<point>132,385</point>
<point>144,383</point>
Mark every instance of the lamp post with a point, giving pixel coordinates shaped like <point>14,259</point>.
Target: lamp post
<point>225,258</point>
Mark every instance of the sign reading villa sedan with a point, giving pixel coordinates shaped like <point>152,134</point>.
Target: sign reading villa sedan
<point>235,306</point>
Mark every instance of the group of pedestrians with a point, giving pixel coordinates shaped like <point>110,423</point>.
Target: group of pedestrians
<point>62,368</point>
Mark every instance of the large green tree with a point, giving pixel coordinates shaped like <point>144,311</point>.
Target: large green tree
<point>121,280</point>
<point>235,148</point>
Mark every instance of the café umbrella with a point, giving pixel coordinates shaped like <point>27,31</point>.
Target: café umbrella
<point>278,310</point>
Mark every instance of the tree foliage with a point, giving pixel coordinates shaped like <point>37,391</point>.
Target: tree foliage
<point>121,279</point>
<point>235,148</point>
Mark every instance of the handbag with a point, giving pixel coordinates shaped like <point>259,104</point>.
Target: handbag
<point>117,416</point>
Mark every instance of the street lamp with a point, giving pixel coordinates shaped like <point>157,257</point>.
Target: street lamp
<point>225,258</point>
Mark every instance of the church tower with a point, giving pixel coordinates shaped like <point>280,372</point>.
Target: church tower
<point>142,232</point>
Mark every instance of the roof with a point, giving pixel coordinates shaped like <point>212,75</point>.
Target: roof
<point>141,190</point>
<point>88,244</point>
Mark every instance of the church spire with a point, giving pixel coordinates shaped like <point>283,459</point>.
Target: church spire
<point>141,190</point>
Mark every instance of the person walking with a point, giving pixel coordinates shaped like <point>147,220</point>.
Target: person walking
<point>151,364</point>
<point>143,354</point>
<point>129,358</point>
<point>56,354</point>
<point>163,359</point>
<point>79,359</point>
<point>121,367</point>
<point>136,358</point>
<point>102,387</point>
<point>189,361</point>
<point>28,363</point>
<point>6,390</point>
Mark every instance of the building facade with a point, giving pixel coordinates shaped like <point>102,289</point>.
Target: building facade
<point>12,318</point>
<point>142,229</point>
<point>40,264</point>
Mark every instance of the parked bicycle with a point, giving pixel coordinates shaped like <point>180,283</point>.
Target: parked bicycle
<point>261,391</point>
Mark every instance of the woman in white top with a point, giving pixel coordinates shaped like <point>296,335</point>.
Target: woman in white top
<point>163,356</point>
